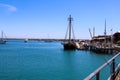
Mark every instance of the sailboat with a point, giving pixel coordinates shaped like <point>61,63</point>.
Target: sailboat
<point>25,40</point>
<point>2,39</point>
<point>69,43</point>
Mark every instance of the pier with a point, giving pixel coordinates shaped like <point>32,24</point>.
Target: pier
<point>97,47</point>
<point>103,44</point>
<point>108,50</point>
<point>115,71</point>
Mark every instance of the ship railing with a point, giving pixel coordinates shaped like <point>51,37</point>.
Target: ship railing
<point>96,73</point>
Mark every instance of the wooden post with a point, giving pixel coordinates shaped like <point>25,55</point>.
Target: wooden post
<point>98,76</point>
<point>113,69</point>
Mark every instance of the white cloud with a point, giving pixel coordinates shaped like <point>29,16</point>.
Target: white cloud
<point>8,7</point>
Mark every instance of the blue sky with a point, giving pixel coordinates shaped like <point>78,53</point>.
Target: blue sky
<point>48,18</point>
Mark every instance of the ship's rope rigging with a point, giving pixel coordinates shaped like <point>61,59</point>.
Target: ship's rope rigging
<point>70,25</point>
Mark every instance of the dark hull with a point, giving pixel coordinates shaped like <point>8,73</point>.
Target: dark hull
<point>69,46</point>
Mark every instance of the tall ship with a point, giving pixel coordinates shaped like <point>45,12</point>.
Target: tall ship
<point>2,39</point>
<point>69,43</point>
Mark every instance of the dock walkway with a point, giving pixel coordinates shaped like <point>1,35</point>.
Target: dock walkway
<point>118,76</point>
<point>118,73</point>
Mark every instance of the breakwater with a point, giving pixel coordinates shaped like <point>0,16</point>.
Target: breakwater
<point>39,39</point>
<point>86,45</point>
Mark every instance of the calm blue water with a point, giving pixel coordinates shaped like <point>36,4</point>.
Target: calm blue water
<point>47,61</point>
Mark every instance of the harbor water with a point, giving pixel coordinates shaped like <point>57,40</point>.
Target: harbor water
<point>37,60</point>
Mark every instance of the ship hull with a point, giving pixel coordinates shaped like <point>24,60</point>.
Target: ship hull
<point>69,46</point>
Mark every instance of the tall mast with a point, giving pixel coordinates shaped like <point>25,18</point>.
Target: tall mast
<point>2,35</point>
<point>105,31</point>
<point>105,28</point>
<point>90,33</point>
<point>70,27</point>
<point>93,31</point>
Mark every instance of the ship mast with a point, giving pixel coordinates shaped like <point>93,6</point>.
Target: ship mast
<point>1,35</point>
<point>105,31</point>
<point>70,27</point>
<point>105,28</point>
<point>93,31</point>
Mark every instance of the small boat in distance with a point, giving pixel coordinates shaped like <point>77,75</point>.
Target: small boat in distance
<point>69,43</point>
<point>2,39</point>
<point>25,40</point>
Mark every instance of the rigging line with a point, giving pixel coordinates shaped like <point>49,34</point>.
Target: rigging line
<point>66,33</point>
<point>73,32</point>
<point>73,35</point>
<point>1,34</point>
<point>4,35</point>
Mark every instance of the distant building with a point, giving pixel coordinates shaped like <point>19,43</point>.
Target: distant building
<point>116,37</point>
<point>102,38</point>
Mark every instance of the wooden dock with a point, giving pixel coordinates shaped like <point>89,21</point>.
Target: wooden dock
<point>108,50</point>
<point>118,76</point>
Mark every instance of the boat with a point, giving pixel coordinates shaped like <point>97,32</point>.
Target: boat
<point>2,39</point>
<point>25,40</point>
<point>69,44</point>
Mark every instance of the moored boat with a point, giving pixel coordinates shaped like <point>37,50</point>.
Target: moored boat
<point>69,46</point>
<point>70,43</point>
<point>25,40</point>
